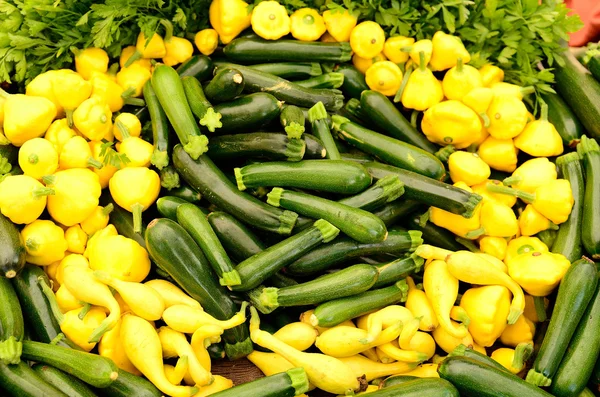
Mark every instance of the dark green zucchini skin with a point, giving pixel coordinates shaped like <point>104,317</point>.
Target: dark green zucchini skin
<point>225,86</point>
<point>354,81</point>
<point>64,382</point>
<point>129,385</point>
<point>167,206</point>
<point>286,384</point>
<point>563,118</point>
<point>396,211</point>
<point>391,272</point>
<point>290,70</point>
<point>247,113</point>
<point>314,147</point>
<point>198,66</point>
<point>239,242</point>
<point>10,153</point>
<point>12,251</point>
<point>423,387</point>
<point>433,234</point>
<point>589,151</point>
<point>21,381</point>
<point>262,145</point>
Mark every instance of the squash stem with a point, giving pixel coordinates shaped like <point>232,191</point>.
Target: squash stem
<point>512,180</point>
<point>137,102</point>
<point>42,191</point>
<point>196,146</point>
<point>108,209</point>
<point>136,56</point>
<point>522,352</point>
<point>544,111</point>
<point>468,244</point>
<point>84,311</point>
<point>459,65</point>
<point>136,210</point>
<point>92,162</point>
<point>10,350</point>
<point>49,294</point>
<point>398,96</point>
<point>211,120</point>
<point>160,159</point>
<point>69,114</point>
<point>529,197</point>
<point>422,64</point>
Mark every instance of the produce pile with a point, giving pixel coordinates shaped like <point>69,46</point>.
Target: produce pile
<point>395,216</point>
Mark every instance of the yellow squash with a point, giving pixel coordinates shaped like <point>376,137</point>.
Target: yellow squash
<point>447,342</point>
<point>119,256</point>
<point>458,224</point>
<point>220,383</point>
<point>367,39</point>
<point>70,91</point>
<point>363,64</point>
<point>93,118</point>
<point>270,20</point>
<point>91,60</point>
<point>479,99</point>
<point>202,338</point>
<point>498,220</point>
<point>58,134</point>
<point>468,168</point>
<point>269,363</point>
<point>513,360</point>
<point>207,41</point>
<point>491,74</point>
<point>143,347</point>
<point>522,331</point>
<point>106,90</point>
<point>132,79</point>
<point>179,50</point>
<point>187,319</point>
<point>494,246</point>
<point>171,294</point>
<point>487,307</point>
<point>540,138</point>
<point>76,153</point>
<point>41,86</point>
<point>482,190</point>
<point>110,346</point>
<point>79,330</point>
<point>108,170</point>
<point>523,245</point>
<point>126,125</point>
<point>44,242</point>
<point>460,80</point>
<point>372,369</point>
<point>176,374</point>
<point>229,18</point>
<point>508,117</point>
<point>38,157</point>
<point>425,47</point>
<point>98,220</point>
<point>423,90</point>
<point>298,335</point>
<point>512,90</point>
<point>447,50</point>
<point>538,273</point>
<point>307,24</point>
<point>499,154</point>
<point>424,371</point>
<point>451,122</point>
<point>420,307</point>
<point>384,77</point>
<point>398,354</point>
<point>532,174</point>
<point>175,344</point>
<point>532,222</point>
<point>395,48</point>
<point>138,151</point>
<point>76,239</point>
<point>339,23</point>
<point>26,117</point>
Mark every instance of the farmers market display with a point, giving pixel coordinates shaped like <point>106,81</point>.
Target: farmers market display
<point>396,199</point>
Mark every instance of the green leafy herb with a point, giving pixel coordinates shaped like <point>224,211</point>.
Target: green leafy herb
<point>111,157</point>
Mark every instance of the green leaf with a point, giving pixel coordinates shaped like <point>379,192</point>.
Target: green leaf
<point>449,20</point>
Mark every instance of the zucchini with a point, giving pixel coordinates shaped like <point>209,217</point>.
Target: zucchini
<point>239,242</point>
<point>129,385</point>
<point>314,147</point>
<point>160,128</point>
<point>326,80</point>
<point>581,92</point>
<point>204,176</point>
<point>381,192</point>
<point>175,252</point>
<point>358,157</point>
<point>562,117</point>
<point>317,115</point>
<point>391,150</point>
<point>248,50</point>
<point>396,380</point>
<point>198,66</point>
<point>264,145</point>
<point>36,310</point>
<point>343,177</point>
<point>216,351</point>
<point>186,193</point>
<point>358,224</point>
<point>64,382</point>
<point>593,66</point>
<point>589,151</point>
<point>577,365</point>
<point>292,382</point>
<point>429,191</point>
<point>349,281</point>
<point>336,311</point>
<point>354,81</point>
<point>424,387</point>
<point>396,210</point>
<point>21,381</point>
<point>248,112</point>
<point>473,378</point>
<point>433,234</point>
<point>195,223</point>
<point>286,91</point>
<point>292,120</point>
<point>280,280</point>
<point>384,115</point>
<point>167,206</point>
<point>91,368</point>
<point>172,97</point>
<point>397,269</point>
<point>226,85</point>
<point>464,351</point>
<point>10,153</point>
<point>345,248</point>
<point>199,105</point>
<point>595,378</point>
<point>256,269</point>
<point>568,238</point>
<point>12,254</point>
<point>169,178</point>
<point>290,70</point>
<point>574,293</point>
<point>12,325</point>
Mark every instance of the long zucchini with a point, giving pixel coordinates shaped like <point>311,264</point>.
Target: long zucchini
<point>175,252</point>
<point>589,151</point>
<point>239,242</point>
<point>21,381</point>
<point>248,113</point>
<point>129,385</point>
<point>391,272</point>
<point>198,66</point>
<point>396,211</point>
<point>315,148</point>
<point>64,382</point>
<point>424,387</point>
<point>574,293</point>
<point>293,121</point>
<point>562,117</point>
<point>263,145</point>
<point>290,70</point>
<point>204,176</point>
<point>317,115</point>
<point>381,192</point>
<point>290,383</point>
<point>226,85</point>
<point>160,128</point>
<point>354,81</point>
<point>326,80</point>
<point>12,325</point>
<point>199,105</point>
<point>12,251</point>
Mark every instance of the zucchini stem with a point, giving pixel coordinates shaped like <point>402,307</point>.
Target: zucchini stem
<point>211,120</point>
<point>10,350</point>
<point>160,159</point>
<point>196,146</point>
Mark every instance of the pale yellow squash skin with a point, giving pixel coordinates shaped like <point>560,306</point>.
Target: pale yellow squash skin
<point>299,335</point>
<point>171,294</point>
<point>187,319</point>
<point>424,371</point>
<point>420,307</point>
<point>221,383</point>
<point>201,339</point>
<point>348,341</point>
<point>175,344</point>
<point>373,370</point>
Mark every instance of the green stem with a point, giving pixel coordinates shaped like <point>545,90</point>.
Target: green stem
<point>138,102</point>
<point>413,118</point>
<point>196,146</point>
<point>160,159</point>
<point>529,197</point>
<point>398,96</point>
<point>444,153</point>
<point>57,339</point>
<point>128,92</point>
<point>84,310</point>
<point>168,29</point>
<point>527,90</point>
<point>69,114</point>
<point>92,162</point>
<point>42,191</point>
<point>211,120</point>
<point>522,352</point>
<point>422,65</point>
<point>544,111</point>
<point>10,350</point>
<point>123,130</point>
<point>512,180</point>
<point>51,298</point>
<point>473,234</point>
<point>136,56</point>
<point>459,65</point>
<point>317,112</point>
<point>485,118</point>
<point>540,308</point>
<point>468,244</point>
<point>108,209</point>
<point>136,210</point>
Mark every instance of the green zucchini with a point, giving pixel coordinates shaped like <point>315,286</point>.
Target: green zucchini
<point>36,310</point>
<point>429,191</point>
<point>186,193</point>
<point>248,112</point>
<point>326,80</point>
<point>239,242</point>
<point>12,254</point>
<point>290,70</point>
<point>12,325</point>
<point>574,293</point>
<point>345,248</point>
<point>172,97</point>
<point>593,66</point>
<point>91,368</point>
<point>595,378</point>
<point>199,105</point>
<point>433,234</point>
<point>396,380</point>
<point>160,128</point>
<point>384,115</point>
<point>226,85</point>
<point>568,239</point>
<point>21,381</point>
<point>169,178</point>
<point>280,280</point>
<point>292,120</point>
<point>343,177</point>
<point>317,115</point>
<point>64,382</point>
<point>204,176</point>
<point>216,351</point>
<point>292,382</point>
<point>195,223</point>
<point>9,155</point>
<point>464,351</point>
<point>391,272</point>
<point>358,224</point>
<point>581,92</point>
<point>286,91</point>
<point>167,206</point>
<point>358,157</point>
<point>349,281</point>
<point>589,151</point>
<point>265,145</point>
<point>577,365</point>
<point>391,150</point>
<point>354,81</point>
<point>424,387</point>
<point>256,269</point>
<point>396,210</point>
<point>247,50</point>
<point>336,311</point>
<point>176,252</point>
<point>129,385</point>
<point>473,378</point>
<point>314,147</point>
<point>562,117</point>
<point>381,192</point>
<point>198,66</point>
